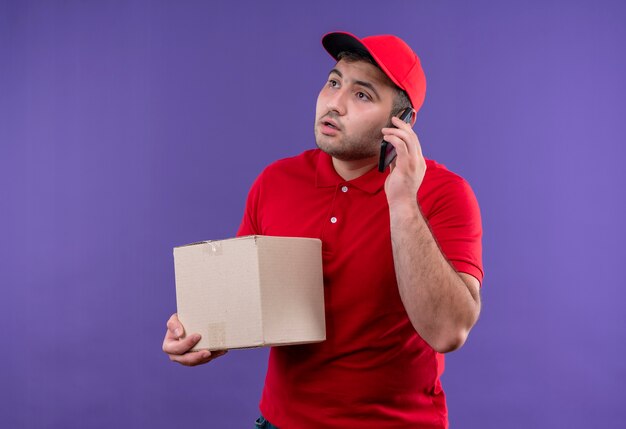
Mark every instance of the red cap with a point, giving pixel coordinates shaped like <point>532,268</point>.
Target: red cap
<point>392,54</point>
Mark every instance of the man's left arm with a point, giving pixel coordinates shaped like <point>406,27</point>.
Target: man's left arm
<point>443,305</point>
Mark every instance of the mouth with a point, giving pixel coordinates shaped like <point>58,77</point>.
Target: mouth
<point>329,124</point>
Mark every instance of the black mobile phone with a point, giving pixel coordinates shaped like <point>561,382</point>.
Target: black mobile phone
<point>387,151</point>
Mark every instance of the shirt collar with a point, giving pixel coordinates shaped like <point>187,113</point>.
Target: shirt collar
<point>326,176</point>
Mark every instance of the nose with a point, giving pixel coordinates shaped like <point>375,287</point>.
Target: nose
<point>337,101</point>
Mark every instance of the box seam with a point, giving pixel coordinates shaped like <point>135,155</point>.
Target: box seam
<point>257,243</point>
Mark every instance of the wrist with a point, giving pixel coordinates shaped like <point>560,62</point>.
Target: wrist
<point>403,210</point>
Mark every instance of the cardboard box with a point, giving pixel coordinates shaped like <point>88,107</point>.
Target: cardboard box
<point>251,291</point>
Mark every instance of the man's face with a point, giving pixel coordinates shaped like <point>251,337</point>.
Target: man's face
<point>352,108</point>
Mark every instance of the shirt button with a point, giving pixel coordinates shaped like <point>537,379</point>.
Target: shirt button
<point>333,219</point>
<point>344,189</point>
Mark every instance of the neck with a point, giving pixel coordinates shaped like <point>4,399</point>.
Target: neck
<point>349,170</point>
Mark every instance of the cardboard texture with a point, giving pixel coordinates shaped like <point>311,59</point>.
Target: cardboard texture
<point>251,291</point>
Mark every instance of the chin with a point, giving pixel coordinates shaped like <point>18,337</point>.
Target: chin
<point>345,151</point>
<point>346,155</point>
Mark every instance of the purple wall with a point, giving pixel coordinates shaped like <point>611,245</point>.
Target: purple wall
<point>127,128</point>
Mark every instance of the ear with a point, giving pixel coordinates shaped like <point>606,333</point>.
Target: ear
<point>413,118</point>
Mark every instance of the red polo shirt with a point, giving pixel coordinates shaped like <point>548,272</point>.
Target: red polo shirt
<point>373,370</point>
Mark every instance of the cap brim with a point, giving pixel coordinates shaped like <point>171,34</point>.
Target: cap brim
<point>338,41</point>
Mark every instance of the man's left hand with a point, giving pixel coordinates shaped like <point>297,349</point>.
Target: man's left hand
<point>409,167</point>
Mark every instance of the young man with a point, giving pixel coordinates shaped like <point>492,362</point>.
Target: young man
<point>401,254</point>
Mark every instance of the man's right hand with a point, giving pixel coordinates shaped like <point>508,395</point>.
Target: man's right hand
<point>177,345</point>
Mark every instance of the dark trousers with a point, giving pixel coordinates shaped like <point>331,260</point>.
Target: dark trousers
<point>262,423</point>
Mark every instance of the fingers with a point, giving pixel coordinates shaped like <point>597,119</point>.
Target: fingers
<point>197,358</point>
<point>179,346</point>
<point>175,327</point>
<point>175,341</point>
<point>408,169</point>
<point>178,350</point>
<point>405,132</point>
<point>398,143</point>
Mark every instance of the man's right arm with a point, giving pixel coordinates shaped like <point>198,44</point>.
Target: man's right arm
<point>177,345</point>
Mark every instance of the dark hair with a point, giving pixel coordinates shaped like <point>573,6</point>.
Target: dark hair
<point>400,101</point>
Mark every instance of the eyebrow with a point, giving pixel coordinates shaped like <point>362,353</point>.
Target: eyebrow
<point>358,82</point>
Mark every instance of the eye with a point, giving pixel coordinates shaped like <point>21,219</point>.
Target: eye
<point>333,83</point>
<point>363,96</point>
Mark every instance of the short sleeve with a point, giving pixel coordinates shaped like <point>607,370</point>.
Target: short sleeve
<point>249,222</point>
<point>456,224</point>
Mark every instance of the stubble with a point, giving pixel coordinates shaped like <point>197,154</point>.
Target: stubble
<point>351,147</point>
